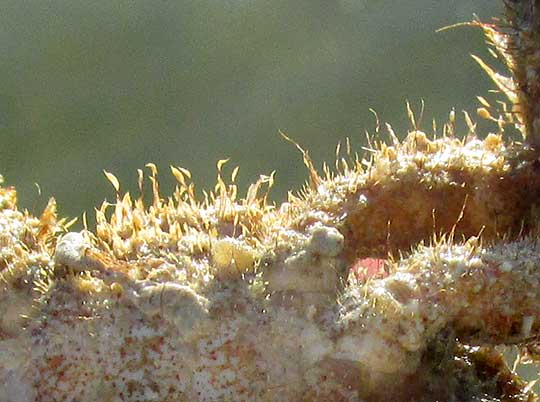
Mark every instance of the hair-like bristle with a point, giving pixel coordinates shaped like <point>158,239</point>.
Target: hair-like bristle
<point>376,281</point>
<point>517,40</point>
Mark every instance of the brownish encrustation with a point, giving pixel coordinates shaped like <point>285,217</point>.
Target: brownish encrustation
<point>232,298</point>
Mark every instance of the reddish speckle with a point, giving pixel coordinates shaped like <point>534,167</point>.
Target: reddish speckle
<point>369,268</point>
<point>55,361</point>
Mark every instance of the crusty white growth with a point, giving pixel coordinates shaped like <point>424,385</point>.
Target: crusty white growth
<point>312,266</point>
<point>233,299</point>
<point>15,386</point>
<point>325,241</point>
<point>73,250</point>
<point>210,317</point>
<point>175,303</point>
<point>231,258</point>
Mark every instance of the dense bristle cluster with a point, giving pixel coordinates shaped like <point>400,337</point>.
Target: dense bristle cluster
<point>217,295</point>
<point>392,277</point>
<point>517,40</point>
<point>220,214</point>
<point>411,190</point>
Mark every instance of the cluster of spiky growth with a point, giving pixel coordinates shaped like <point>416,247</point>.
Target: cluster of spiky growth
<point>234,299</point>
<point>231,298</point>
<point>517,41</point>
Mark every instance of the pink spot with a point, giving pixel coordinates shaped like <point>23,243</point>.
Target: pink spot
<point>369,268</point>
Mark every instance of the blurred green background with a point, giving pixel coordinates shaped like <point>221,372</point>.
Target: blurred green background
<point>93,85</point>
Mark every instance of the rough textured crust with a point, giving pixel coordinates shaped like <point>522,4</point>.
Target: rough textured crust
<point>236,299</point>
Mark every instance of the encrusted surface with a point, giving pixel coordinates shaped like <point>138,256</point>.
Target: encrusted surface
<point>391,279</point>
<point>238,300</point>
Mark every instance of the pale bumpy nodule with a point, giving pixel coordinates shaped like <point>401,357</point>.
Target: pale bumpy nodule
<point>235,299</point>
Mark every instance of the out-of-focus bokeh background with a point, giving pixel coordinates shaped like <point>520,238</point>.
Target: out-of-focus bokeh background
<point>92,85</point>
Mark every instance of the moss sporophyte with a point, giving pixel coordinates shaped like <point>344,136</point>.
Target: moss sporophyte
<point>388,279</point>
